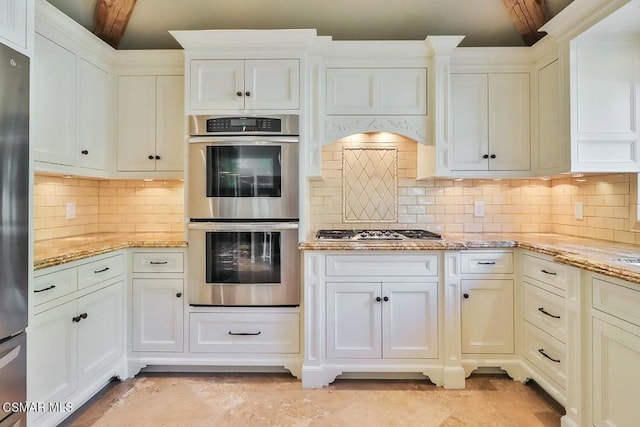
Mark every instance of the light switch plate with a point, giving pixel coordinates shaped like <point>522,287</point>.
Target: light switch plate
<point>71,210</point>
<point>578,210</point>
<point>478,209</point>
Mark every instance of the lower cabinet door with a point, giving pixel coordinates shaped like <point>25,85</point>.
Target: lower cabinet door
<point>487,316</point>
<point>158,315</point>
<point>616,376</point>
<point>100,330</point>
<point>354,320</point>
<point>51,355</point>
<point>410,320</point>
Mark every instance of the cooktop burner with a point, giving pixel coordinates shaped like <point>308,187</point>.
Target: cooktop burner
<point>377,235</point>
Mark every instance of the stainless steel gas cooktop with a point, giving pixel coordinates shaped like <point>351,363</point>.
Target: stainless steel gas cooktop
<point>377,235</point>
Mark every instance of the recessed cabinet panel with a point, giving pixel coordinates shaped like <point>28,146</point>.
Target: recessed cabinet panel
<point>487,316</point>
<point>382,265</point>
<point>380,91</point>
<point>546,353</point>
<point>215,84</point>
<point>354,320</point>
<point>170,123</point>
<point>553,147</point>
<point>469,125</point>
<point>53,103</point>
<point>545,310</point>
<point>13,21</point>
<point>270,83</point>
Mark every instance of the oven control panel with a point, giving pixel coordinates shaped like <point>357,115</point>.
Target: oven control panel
<point>243,124</point>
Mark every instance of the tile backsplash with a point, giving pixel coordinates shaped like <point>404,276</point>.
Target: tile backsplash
<point>447,205</point>
<point>106,206</point>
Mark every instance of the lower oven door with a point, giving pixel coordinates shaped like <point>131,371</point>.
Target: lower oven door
<point>243,264</point>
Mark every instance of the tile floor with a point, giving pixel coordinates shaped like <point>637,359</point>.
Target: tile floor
<point>154,399</point>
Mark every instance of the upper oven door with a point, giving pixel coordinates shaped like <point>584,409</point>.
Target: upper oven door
<point>243,178</point>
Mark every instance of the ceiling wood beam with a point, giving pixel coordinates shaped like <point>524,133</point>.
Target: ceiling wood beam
<point>110,19</point>
<point>528,16</point>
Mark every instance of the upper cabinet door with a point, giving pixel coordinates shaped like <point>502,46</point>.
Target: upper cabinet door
<point>509,140</point>
<point>13,22</point>
<point>170,123</point>
<point>94,117</point>
<point>53,103</point>
<point>553,148</point>
<point>379,91</point>
<point>272,84</point>
<point>136,123</point>
<point>469,124</point>
<point>605,105</point>
<point>217,85</point>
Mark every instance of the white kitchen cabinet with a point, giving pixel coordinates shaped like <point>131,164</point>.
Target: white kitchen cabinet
<point>487,316</point>
<point>382,320</point>
<point>377,91</point>
<point>490,122</point>
<point>53,103</point>
<point>151,125</point>
<point>16,18</point>
<point>605,104</point>
<point>158,307</point>
<point>76,335</point>
<point>251,84</point>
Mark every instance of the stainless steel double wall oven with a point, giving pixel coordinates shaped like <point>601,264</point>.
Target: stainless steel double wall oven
<point>243,209</point>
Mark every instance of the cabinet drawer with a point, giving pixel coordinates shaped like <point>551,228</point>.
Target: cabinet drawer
<point>244,333</point>
<point>548,272</point>
<point>382,265</point>
<point>616,300</point>
<point>158,262</point>
<point>97,271</point>
<point>54,285</point>
<point>486,262</point>
<point>546,311</point>
<point>546,353</point>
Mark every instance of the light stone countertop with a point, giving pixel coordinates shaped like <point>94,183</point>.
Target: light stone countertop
<point>48,253</point>
<point>589,254</point>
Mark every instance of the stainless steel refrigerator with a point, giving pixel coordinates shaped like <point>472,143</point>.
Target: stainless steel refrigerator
<point>14,235</point>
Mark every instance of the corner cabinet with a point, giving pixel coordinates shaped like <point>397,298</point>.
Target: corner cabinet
<point>244,84</point>
<point>371,313</point>
<point>489,122</point>
<point>151,124</point>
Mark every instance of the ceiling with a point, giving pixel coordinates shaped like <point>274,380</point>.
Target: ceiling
<point>483,22</point>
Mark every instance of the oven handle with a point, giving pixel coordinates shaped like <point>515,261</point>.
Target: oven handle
<point>243,226</point>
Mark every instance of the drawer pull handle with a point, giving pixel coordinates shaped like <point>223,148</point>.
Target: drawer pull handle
<point>549,272</point>
<point>101,271</point>
<point>542,310</point>
<point>245,333</point>
<point>541,351</point>
<point>158,262</point>
<point>44,289</point>
<point>487,263</point>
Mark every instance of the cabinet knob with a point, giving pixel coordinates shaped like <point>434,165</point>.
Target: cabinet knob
<point>493,156</point>
<point>378,299</point>
<point>179,294</point>
<point>247,93</point>
<point>486,156</point>
<point>239,93</point>
<point>76,319</point>
<point>84,315</point>
<point>466,296</point>
<point>151,157</point>
<point>157,157</point>
<point>85,152</point>
<point>385,299</point>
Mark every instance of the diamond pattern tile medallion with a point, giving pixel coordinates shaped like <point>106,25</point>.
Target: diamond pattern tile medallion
<point>369,184</point>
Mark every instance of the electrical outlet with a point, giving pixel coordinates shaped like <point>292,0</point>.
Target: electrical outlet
<point>478,209</point>
<point>578,210</point>
<point>71,210</point>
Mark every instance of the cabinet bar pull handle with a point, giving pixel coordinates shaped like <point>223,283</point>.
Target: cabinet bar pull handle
<point>549,272</point>
<point>44,289</point>
<point>487,263</point>
<point>542,310</point>
<point>101,271</point>
<point>541,351</point>
<point>245,333</point>
<point>158,262</point>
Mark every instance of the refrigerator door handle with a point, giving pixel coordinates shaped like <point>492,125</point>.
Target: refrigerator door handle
<point>9,356</point>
